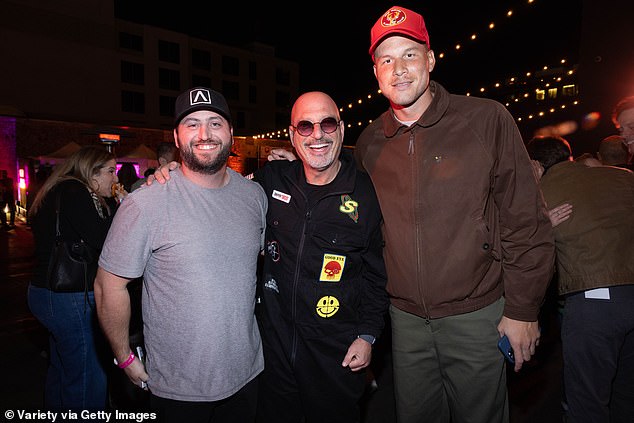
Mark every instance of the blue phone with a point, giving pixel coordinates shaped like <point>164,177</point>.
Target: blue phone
<point>505,347</point>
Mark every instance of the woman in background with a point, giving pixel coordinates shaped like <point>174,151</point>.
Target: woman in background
<point>76,378</point>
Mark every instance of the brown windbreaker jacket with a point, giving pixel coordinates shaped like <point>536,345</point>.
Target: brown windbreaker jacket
<point>464,219</point>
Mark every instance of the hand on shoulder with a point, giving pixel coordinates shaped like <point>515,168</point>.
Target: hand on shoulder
<point>281,154</point>
<point>162,174</point>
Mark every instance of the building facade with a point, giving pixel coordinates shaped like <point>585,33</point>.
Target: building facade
<point>72,70</point>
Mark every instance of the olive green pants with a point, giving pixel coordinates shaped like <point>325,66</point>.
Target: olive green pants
<point>449,369</point>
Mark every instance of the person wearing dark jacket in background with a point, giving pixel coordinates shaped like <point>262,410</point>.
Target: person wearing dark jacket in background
<point>595,269</point>
<point>613,152</point>
<point>78,356</point>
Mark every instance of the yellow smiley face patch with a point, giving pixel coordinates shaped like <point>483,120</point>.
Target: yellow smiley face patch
<point>327,306</point>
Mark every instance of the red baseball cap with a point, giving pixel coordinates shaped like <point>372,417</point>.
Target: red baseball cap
<point>398,20</point>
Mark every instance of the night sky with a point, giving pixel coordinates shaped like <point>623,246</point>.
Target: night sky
<point>330,39</point>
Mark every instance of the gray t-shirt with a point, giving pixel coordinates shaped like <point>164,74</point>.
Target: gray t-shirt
<point>197,249</point>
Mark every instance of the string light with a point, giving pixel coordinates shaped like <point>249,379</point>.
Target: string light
<point>542,113</point>
<point>458,46</point>
<point>511,81</point>
<point>510,13</point>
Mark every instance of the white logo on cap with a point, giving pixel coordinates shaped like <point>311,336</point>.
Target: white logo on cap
<point>199,96</point>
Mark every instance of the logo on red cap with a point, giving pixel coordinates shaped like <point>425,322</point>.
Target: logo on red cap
<point>398,20</point>
<point>393,17</point>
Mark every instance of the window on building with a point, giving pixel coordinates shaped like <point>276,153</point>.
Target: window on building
<point>230,66</point>
<point>552,93</point>
<point>201,81</point>
<point>253,71</point>
<point>130,41</point>
<point>132,73</point>
<point>253,94</point>
<point>169,52</point>
<point>569,90</point>
<point>169,79</point>
<point>540,94</point>
<point>240,120</point>
<point>231,90</point>
<point>166,105</point>
<point>201,59</point>
<point>282,77</point>
<point>132,102</point>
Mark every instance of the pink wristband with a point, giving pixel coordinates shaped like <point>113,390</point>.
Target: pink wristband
<point>125,363</point>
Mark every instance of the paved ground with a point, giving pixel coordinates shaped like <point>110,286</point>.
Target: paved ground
<point>534,393</point>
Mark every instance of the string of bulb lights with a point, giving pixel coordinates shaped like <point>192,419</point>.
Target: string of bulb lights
<point>524,79</point>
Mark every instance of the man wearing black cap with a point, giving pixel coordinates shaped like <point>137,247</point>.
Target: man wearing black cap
<point>195,241</point>
<point>468,244</point>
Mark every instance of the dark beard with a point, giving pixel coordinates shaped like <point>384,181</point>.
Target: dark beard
<point>207,168</point>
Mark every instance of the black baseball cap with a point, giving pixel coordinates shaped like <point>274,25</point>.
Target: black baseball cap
<point>200,98</point>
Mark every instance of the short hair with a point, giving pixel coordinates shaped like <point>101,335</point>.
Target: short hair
<point>612,151</point>
<point>549,150</point>
<point>167,150</point>
<point>625,103</point>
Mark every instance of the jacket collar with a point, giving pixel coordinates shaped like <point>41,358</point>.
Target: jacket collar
<point>437,108</point>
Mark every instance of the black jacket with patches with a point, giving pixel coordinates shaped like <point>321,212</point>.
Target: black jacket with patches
<point>323,271</point>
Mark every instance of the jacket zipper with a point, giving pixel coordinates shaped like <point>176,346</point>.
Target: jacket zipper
<point>296,276</point>
<point>415,183</point>
<point>300,251</point>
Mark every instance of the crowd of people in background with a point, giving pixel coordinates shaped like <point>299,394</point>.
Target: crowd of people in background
<point>263,297</point>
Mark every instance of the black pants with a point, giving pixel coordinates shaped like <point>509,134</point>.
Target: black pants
<point>238,408</point>
<point>598,350</point>
<point>314,387</point>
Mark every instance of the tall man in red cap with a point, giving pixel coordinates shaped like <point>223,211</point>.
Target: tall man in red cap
<point>468,245</point>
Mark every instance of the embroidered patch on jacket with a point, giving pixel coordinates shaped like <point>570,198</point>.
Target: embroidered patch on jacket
<point>272,285</point>
<point>281,196</point>
<point>332,268</point>
<point>349,206</point>
<point>327,306</point>
<point>273,250</point>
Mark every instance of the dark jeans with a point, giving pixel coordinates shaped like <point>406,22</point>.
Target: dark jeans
<point>238,408</point>
<point>598,351</point>
<point>76,379</point>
